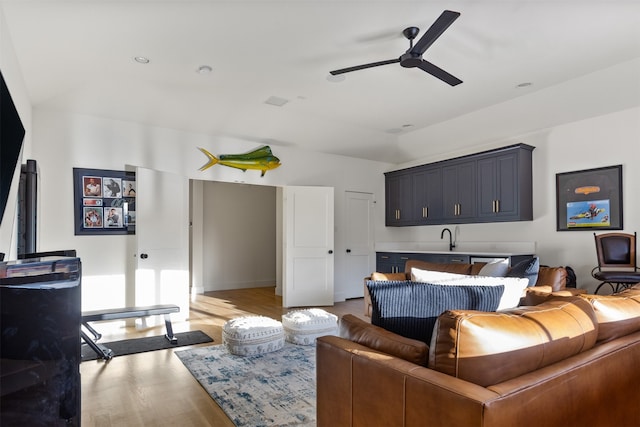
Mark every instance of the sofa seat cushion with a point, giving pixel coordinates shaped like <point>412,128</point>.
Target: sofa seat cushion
<point>514,287</point>
<point>377,338</point>
<point>411,309</point>
<point>489,348</point>
<point>617,314</point>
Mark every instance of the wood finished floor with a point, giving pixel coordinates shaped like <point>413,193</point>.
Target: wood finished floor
<point>154,388</point>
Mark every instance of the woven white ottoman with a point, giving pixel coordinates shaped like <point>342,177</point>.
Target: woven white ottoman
<point>249,335</point>
<point>302,327</point>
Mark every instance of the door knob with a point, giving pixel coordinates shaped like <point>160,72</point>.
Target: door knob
<point>144,256</point>
<point>330,251</point>
<point>348,251</point>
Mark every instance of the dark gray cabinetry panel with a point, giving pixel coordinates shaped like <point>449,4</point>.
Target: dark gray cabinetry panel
<point>427,195</point>
<point>394,262</point>
<point>491,186</point>
<point>398,199</point>
<point>458,192</point>
<point>504,187</point>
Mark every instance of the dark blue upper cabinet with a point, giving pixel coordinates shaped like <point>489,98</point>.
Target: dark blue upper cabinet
<point>491,186</point>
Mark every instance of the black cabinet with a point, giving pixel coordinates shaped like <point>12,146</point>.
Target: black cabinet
<point>458,192</point>
<point>427,195</point>
<point>391,262</point>
<point>504,187</point>
<point>491,186</point>
<point>394,262</point>
<point>398,199</point>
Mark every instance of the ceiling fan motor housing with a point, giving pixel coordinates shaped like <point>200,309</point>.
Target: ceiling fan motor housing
<point>410,60</point>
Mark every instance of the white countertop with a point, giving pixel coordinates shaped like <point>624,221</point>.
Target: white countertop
<point>488,249</point>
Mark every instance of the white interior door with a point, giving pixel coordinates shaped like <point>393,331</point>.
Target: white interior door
<point>359,242</point>
<point>162,235</point>
<point>307,246</point>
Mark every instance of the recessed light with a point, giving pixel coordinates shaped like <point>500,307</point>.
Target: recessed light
<point>274,100</point>
<point>336,79</point>
<point>204,69</point>
<point>141,59</point>
<point>393,130</point>
<point>525,84</point>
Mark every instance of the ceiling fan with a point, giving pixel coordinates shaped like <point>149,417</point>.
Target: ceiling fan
<point>413,56</point>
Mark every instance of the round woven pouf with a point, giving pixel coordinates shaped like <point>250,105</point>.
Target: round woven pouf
<point>302,327</point>
<point>245,336</point>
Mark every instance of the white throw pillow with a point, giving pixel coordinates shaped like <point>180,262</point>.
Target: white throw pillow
<point>513,286</point>
<point>498,268</point>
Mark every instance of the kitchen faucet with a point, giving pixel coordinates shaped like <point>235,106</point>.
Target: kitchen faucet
<point>451,244</point>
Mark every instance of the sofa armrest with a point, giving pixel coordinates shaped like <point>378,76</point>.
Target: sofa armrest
<point>377,338</point>
<point>355,382</point>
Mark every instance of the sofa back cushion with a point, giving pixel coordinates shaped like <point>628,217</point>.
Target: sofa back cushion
<point>453,267</point>
<point>410,309</point>
<point>514,287</point>
<point>556,277</point>
<point>489,348</point>
<point>361,332</point>
<point>618,315</point>
<point>385,277</point>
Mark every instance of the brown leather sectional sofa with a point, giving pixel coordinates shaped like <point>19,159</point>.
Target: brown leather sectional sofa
<point>550,279</point>
<point>568,361</point>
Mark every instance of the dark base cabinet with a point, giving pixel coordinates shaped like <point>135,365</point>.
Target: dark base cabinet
<point>40,343</point>
<point>394,262</point>
<point>491,186</point>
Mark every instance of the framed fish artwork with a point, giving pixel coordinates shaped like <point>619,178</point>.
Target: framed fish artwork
<point>589,199</point>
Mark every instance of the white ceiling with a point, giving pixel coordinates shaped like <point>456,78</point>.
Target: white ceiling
<point>77,55</point>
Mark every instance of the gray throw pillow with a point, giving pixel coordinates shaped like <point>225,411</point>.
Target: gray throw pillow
<point>527,269</point>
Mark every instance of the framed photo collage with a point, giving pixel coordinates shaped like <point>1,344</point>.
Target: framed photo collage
<point>105,201</point>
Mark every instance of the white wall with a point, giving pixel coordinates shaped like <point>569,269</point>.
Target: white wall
<point>63,141</point>
<point>606,140</point>
<point>13,78</point>
<point>239,236</point>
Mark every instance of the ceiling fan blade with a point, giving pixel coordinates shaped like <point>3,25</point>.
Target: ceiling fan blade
<point>437,28</point>
<point>364,66</point>
<point>439,73</point>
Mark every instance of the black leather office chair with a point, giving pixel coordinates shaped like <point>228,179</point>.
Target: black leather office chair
<point>616,261</point>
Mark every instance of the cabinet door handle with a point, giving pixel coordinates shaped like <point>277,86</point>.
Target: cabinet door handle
<point>497,206</point>
<point>493,206</point>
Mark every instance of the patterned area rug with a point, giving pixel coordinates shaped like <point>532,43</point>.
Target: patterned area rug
<point>273,389</point>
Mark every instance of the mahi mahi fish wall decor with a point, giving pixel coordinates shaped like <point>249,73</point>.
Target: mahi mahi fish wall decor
<point>259,159</point>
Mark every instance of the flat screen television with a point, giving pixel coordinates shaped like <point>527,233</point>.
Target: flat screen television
<point>11,137</point>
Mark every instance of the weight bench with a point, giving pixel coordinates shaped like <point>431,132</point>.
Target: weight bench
<point>124,313</point>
